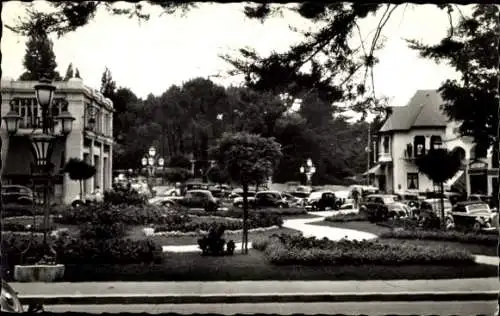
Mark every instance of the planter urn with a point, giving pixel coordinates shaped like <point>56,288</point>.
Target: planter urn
<point>39,273</point>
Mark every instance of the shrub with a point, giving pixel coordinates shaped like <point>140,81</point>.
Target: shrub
<point>124,196</point>
<point>442,235</point>
<point>213,243</point>
<point>285,250</point>
<point>346,218</point>
<point>100,213</point>
<point>95,231</point>
<point>108,251</point>
<point>76,250</point>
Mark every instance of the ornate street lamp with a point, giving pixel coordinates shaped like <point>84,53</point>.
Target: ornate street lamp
<point>309,169</point>
<point>43,139</point>
<point>151,161</point>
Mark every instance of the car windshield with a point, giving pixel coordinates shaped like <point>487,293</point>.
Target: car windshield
<point>388,199</point>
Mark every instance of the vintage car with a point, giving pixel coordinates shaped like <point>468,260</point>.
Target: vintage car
<point>473,215</point>
<point>322,200</point>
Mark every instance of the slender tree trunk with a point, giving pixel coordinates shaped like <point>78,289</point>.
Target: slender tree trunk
<point>443,221</point>
<point>81,189</point>
<point>244,245</point>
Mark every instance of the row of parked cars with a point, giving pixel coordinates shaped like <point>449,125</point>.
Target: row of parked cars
<point>474,213</point>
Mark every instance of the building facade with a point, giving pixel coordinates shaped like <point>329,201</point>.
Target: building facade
<point>409,132</point>
<point>91,138</point>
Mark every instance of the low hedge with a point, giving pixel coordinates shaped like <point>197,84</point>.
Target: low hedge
<point>77,250</point>
<point>94,231</point>
<point>350,217</point>
<point>289,250</point>
<point>18,227</point>
<point>186,224</point>
<point>101,213</point>
<point>124,196</point>
<point>443,235</point>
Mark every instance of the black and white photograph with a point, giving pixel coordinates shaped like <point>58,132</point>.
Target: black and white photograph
<point>249,158</point>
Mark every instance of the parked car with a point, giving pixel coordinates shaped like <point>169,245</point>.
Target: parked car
<point>344,197</point>
<point>293,201</point>
<point>10,302</point>
<point>168,197</point>
<point>265,199</point>
<point>483,198</point>
<point>237,198</point>
<point>434,205</point>
<point>375,206</point>
<point>321,200</point>
<point>473,215</point>
<point>199,199</point>
<point>17,194</point>
<point>398,209</point>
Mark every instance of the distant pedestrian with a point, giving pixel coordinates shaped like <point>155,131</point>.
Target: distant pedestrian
<point>355,197</point>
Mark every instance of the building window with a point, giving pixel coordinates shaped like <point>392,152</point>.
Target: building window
<point>412,181</point>
<point>385,144</point>
<point>419,145</point>
<point>436,141</point>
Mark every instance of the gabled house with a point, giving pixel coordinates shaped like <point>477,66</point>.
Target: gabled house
<point>409,132</point>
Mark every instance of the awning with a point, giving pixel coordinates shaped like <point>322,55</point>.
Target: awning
<point>374,170</point>
<point>457,182</point>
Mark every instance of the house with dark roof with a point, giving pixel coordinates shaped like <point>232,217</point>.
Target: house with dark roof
<point>409,132</point>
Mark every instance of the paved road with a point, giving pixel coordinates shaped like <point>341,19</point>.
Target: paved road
<point>356,308</point>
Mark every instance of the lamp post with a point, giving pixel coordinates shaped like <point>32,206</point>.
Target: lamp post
<point>43,138</point>
<point>309,169</point>
<point>151,160</point>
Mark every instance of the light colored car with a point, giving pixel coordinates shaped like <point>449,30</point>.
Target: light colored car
<point>344,196</point>
<point>166,198</point>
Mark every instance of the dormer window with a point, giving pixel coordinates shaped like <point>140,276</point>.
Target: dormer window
<point>419,145</point>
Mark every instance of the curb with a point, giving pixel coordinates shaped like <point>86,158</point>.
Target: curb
<point>255,298</point>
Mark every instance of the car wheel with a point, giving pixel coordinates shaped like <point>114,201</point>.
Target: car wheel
<point>476,227</point>
<point>168,204</point>
<point>77,203</point>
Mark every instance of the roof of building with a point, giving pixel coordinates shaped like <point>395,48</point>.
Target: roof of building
<point>423,110</point>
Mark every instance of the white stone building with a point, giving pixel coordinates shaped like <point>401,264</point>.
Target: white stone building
<point>91,138</point>
<point>409,132</point>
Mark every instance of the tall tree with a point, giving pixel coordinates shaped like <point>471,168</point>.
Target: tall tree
<point>247,159</point>
<point>69,72</point>
<point>39,59</point>
<point>108,85</point>
<point>439,165</point>
<point>472,48</point>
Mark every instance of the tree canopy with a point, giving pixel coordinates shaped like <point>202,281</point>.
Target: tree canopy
<point>39,59</point>
<point>472,48</point>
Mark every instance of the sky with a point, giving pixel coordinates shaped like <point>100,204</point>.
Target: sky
<point>148,57</point>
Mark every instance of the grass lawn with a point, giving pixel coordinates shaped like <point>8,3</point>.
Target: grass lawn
<point>377,230</point>
<point>136,233</point>
<point>255,266</point>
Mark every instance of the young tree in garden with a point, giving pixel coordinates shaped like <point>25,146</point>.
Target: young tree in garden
<point>39,60</point>
<point>217,175</point>
<point>473,49</point>
<point>79,170</point>
<point>440,165</point>
<point>247,159</point>
<point>69,72</point>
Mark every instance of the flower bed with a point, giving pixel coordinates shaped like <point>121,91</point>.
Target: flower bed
<point>350,217</point>
<point>442,235</point>
<point>187,224</point>
<point>286,250</point>
<point>200,232</point>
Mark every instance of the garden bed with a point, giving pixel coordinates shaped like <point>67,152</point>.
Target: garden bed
<point>255,266</point>
<point>448,239</point>
<point>349,217</point>
<point>136,233</point>
<point>286,250</point>
<point>238,212</point>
